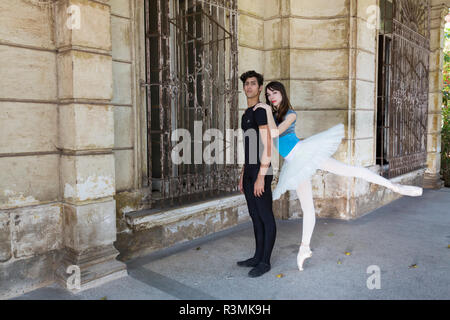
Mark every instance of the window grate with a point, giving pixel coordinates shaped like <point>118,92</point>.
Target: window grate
<point>403,86</point>
<point>191,79</point>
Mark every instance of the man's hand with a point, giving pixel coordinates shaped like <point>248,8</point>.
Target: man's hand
<point>241,184</point>
<point>259,186</point>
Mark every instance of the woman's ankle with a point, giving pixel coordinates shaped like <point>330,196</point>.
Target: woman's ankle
<point>305,246</point>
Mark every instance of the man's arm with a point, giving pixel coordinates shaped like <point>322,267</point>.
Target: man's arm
<point>266,157</point>
<point>241,180</point>
<point>266,140</point>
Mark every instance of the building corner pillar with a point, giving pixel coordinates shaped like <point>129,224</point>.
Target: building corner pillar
<point>86,140</point>
<point>432,179</point>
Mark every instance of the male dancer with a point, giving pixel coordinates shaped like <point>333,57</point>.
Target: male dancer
<point>255,181</point>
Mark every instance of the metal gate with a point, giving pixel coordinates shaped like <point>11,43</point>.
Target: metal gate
<point>403,89</point>
<point>191,63</point>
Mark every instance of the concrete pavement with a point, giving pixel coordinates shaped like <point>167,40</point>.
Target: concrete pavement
<point>407,240</point>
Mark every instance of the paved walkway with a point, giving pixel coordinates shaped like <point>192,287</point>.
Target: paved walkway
<point>407,240</point>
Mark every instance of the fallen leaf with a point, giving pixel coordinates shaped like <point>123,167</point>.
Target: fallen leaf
<point>198,248</point>
<point>331,234</point>
<point>280,275</point>
<point>413,266</point>
<point>448,247</point>
<point>347,253</point>
<point>339,262</point>
<point>104,298</point>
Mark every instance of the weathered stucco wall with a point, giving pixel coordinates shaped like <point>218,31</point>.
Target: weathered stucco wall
<point>86,130</point>
<point>150,231</point>
<point>57,133</point>
<point>128,59</point>
<point>30,214</point>
<point>251,40</point>
<point>28,92</point>
<point>123,97</point>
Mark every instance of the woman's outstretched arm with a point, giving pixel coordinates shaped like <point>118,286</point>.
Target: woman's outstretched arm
<point>275,130</point>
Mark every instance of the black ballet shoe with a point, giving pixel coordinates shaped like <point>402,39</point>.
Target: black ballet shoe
<point>259,270</point>
<point>252,262</point>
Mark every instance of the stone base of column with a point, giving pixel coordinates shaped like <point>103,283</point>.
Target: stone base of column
<point>96,265</point>
<point>432,181</point>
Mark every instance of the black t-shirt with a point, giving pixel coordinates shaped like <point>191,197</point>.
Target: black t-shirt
<point>250,122</point>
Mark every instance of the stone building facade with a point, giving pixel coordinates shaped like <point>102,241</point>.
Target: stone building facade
<point>76,164</point>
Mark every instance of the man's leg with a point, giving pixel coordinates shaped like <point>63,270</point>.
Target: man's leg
<point>258,227</point>
<point>265,212</point>
<point>264,206</point>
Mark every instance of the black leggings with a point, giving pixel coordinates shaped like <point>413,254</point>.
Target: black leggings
<point>260,210</point>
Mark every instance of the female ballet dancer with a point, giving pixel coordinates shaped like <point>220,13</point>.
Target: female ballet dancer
<point>303,158</point>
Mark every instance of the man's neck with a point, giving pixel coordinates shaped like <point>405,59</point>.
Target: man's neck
<point>252,102</point>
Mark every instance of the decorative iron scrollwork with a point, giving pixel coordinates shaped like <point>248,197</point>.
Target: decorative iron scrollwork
<point>409,87</point>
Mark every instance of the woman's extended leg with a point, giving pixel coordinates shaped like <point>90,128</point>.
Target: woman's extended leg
<point>304,193</point>
<point>346,170</point>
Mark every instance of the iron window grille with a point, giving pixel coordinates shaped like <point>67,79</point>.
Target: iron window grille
<point>191,77</point>
<point>403,79</point>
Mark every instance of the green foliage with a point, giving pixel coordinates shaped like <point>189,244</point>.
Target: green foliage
<point>445,148</point>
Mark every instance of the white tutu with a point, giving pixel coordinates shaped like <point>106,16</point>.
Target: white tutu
<point>306,157</point>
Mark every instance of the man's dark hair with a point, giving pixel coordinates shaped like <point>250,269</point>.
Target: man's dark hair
<point>251,74</point>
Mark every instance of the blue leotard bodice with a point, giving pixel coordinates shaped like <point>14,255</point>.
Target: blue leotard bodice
<point>288,139</point>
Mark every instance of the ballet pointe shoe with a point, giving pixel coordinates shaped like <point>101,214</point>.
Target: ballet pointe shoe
<point>411,191</point>
<point>303,253</point>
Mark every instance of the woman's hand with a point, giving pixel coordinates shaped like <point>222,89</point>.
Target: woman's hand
<point>259,186</point>
<point>262,105</point>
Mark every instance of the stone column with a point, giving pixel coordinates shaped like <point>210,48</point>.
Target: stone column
<point>318,62</point>
<point>86,139</point>
<point>432,173</point>
<point>362,103</point>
